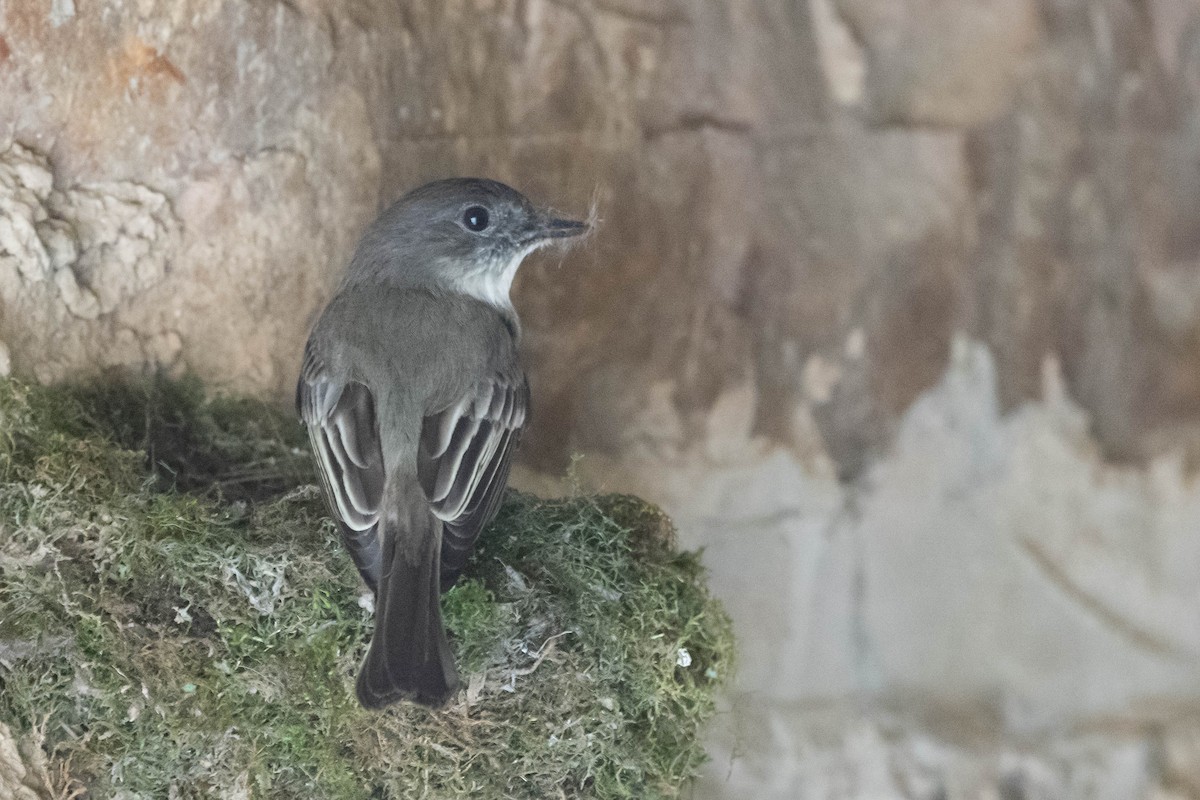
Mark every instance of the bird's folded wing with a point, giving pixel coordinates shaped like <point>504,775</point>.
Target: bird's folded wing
<point>344,432</point>
<point>463,462</point>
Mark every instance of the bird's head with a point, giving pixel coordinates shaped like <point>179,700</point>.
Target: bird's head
<point>462,234</point>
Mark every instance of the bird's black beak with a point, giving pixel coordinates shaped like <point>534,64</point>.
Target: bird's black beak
<point>553,228</point>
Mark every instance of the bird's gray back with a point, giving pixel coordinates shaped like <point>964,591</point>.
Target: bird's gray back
<point>417,351</point>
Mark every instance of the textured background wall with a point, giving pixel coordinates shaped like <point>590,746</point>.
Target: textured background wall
<point>896,306</point>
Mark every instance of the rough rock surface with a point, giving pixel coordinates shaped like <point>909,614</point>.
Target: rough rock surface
<point>895,304</point>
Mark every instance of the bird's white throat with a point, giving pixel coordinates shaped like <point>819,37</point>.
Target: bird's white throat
<point>491,283</point>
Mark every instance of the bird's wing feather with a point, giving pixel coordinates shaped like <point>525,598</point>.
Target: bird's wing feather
<point>344,431</point>
<point>463,462</point>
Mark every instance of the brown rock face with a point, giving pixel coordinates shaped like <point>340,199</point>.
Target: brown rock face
<point>894,303</point>
<point>932,62</point>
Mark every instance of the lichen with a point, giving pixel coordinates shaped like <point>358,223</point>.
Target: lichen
<point>178,618</point>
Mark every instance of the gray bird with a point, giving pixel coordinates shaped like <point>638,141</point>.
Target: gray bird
<point>414,398</point>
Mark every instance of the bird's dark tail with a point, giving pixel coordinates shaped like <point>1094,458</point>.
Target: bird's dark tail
<point>409,657</point>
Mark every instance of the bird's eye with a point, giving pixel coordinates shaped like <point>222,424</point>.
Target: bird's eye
<point>475,218</point>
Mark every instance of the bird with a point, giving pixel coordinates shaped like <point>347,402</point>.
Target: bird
<point>414,397</point>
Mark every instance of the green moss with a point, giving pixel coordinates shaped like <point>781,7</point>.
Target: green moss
<point>176,611</point>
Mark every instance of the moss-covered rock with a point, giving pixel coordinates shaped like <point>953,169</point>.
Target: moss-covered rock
<point>178,617</point>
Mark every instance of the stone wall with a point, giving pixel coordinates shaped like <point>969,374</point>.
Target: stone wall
<point>895,305</point>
